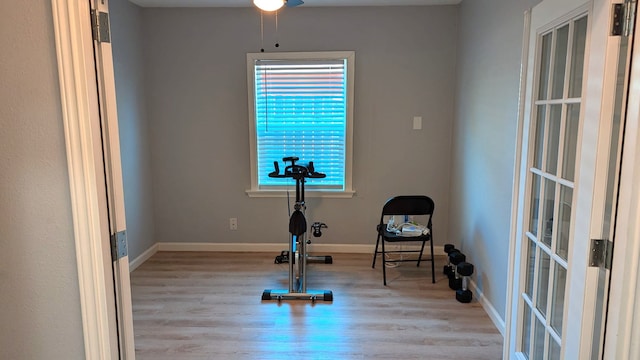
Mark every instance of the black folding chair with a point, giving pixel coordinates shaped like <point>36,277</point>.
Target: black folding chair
<point>405,205</point>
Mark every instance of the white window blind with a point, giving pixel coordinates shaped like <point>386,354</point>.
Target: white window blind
<point>301,110</point>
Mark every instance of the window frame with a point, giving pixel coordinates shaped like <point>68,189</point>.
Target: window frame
<point>278,191</point>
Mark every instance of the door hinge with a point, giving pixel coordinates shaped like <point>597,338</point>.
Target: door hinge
<point>100,25</point>
<point>601,253</point>
<point>623,18</point>
<point>118,245</point>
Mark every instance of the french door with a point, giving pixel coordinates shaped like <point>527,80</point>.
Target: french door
<point>572,132</point>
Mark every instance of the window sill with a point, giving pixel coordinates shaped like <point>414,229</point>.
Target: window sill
<point>347,194</point>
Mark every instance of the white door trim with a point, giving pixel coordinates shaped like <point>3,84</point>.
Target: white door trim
<point>80,114</point>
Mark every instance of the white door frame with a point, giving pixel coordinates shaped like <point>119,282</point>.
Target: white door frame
<point>81,117</point>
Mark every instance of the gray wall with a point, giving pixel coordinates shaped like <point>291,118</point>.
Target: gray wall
<point>484,138</point>
<point>129,65</point>
<point>195,61</point>
<point>39,296</point>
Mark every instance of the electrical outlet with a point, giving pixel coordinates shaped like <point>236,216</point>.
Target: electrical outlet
<point>233,223</point>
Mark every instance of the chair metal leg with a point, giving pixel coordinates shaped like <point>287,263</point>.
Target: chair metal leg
<point>420,256</point>
<point>384,265</point>
<point>375,253</point>
<point>433,265</point>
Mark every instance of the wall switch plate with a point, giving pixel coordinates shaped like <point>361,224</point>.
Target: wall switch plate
<point>417,123</point>
<point>233,223</point>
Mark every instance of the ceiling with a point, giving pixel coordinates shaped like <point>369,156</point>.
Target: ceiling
<point>307,3</point>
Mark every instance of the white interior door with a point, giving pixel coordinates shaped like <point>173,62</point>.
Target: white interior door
<point>569,145</point>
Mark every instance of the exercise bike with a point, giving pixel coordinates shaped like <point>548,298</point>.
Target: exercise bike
<point>297,255</point>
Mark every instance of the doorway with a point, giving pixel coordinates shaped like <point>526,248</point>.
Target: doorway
<point>622,285</point>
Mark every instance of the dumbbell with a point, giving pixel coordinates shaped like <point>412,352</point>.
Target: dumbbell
<point>448,249</point>
<point>464,295</point>
<point>456,258</point>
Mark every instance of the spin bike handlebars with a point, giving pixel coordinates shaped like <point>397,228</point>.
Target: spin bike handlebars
<point>296,171</point>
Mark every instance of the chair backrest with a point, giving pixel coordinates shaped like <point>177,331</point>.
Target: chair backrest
<point>408,205</point>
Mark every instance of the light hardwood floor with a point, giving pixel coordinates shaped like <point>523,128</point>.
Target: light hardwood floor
<point>189,305</point>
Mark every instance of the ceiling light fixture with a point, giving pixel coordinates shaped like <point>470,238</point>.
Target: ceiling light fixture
<point>269,5</point>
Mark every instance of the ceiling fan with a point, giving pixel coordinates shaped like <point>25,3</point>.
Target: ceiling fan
<point>273,5</point>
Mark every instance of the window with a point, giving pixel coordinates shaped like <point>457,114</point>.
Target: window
<point>300,104</point>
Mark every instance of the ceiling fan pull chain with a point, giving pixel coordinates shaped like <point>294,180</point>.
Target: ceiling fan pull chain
<point>277,37</point>
<point>261,32</point>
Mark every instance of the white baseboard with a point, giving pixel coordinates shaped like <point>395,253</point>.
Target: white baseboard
<point>246,247</point>
<point>495,317</point>
<point>272,247</point>
<point>143,257</point>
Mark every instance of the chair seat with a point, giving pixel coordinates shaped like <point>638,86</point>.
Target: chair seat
<point>393,237</point>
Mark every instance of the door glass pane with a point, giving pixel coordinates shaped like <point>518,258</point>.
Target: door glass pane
<point>538,142</point>
<point>564,225</point>
<point>547,211</point>
<point>543,283</point>
<point>545,63</point>
<point>570,141</point>
<point>560,62</point>
<point>531,257</point>
<point>554,350</point>
<point>538,340</point>
<point>535,203</point>
<point>557,307</point>
<point>526,333</point>
<point>553,138</point>
<point>577,57</point>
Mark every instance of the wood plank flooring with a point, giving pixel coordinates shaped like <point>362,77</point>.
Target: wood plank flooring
<point>203,305</point>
